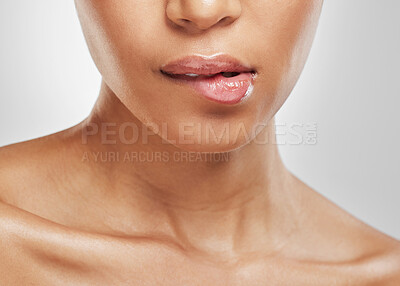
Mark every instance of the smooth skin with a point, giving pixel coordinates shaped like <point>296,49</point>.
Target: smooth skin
<point>69,218</point>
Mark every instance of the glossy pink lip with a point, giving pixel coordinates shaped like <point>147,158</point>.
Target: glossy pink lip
<point>220,78</point>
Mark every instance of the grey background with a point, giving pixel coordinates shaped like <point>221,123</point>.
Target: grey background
<point>349,88</point>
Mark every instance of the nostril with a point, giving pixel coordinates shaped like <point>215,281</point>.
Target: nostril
<point>224,19</point>
<point>183,22</point>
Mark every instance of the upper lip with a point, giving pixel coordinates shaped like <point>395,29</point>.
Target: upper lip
<point>205,65</point>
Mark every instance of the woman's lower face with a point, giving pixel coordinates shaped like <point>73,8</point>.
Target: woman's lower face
<point>209,74</point>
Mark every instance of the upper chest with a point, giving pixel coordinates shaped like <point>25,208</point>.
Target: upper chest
<point>113,264</point>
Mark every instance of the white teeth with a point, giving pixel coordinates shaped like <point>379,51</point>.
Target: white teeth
<point>197,75</point>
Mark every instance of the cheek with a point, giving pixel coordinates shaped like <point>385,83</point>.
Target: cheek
<point>123,37</point>
<point>284,34</point>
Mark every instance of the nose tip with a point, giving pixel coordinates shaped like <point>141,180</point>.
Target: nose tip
<point>203,14</point>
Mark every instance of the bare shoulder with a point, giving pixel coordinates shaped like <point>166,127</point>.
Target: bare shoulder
<point>18,243</point>
<point>29,165</point>
<point>17,165</point>
<point>334,237</point>
<point>386,265</point>
<point>37,251</point>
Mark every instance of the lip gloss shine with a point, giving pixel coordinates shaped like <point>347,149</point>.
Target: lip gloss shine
<point>220,78</point>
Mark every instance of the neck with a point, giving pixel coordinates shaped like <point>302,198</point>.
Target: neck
<point>218,202</point>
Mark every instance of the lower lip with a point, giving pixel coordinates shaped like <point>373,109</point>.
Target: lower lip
<point>221,89</point>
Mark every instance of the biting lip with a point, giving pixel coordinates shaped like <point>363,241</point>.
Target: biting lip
<point>219,78</point>
<point>205,66</point>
